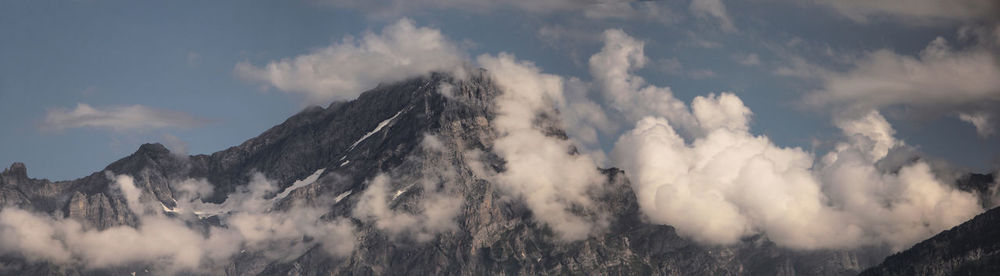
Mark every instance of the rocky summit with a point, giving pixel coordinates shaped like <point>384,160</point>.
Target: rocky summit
<point>434,137</point>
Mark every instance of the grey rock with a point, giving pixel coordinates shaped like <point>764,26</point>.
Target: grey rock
<point>494,234</point>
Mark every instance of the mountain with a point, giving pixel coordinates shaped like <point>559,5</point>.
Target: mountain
<point>971,248</point>
<point>413,133</point>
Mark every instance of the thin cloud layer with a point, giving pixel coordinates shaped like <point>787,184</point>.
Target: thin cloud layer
<point>343,70</point>
<point>118,118</point>
<point>593,9</point>
<point>940,80</point>
<point>714,9</point>
<point>918,11</point>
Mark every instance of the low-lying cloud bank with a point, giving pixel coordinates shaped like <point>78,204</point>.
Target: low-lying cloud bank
<point>178,243</point>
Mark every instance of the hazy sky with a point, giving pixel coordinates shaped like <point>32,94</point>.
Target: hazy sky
<point>84,83</point>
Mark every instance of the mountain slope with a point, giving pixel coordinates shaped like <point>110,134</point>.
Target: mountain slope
<point>971,248</point>
<point>426,151</point>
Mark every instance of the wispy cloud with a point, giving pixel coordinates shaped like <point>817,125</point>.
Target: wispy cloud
<point>917,12</point>
<point>118,118</point>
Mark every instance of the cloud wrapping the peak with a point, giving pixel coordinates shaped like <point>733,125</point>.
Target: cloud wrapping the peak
<point>343,70</point>
<point>540,169</point>
<point>118,118</point>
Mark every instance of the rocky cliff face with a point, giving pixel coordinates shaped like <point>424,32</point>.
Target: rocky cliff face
<point>435,131</point>
<point>971,248</point>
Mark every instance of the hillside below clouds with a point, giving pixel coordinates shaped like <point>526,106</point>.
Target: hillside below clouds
<point>431,175</point>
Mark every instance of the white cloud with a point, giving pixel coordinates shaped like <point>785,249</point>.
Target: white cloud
<point>540,169</point>
<point>343,70</point>
<point>438,204</point>
<point>939,80</point>
<point>118,118</point>
<point>177,244</point>
<point>870,132</point>
<point>175,144</point>
<point>629,94</point>
<point>729,184</point>
<point>701,170</point>
<point>748,60</point>
<point>715,9</point>
<point>981,121</point>
<point>593,9</point>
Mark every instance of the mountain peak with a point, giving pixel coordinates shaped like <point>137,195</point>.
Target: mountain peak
<point>153,148</point>
<point>17,170</point>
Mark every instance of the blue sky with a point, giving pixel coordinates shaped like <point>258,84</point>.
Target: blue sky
<point>177,60</point>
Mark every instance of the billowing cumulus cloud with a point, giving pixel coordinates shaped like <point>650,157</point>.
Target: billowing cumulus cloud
<point>118,118</point>
<point>175,243</point>
<point>731,183</point>
<point>345,69</point>
<point>612,69</point>
<point>701,170</point>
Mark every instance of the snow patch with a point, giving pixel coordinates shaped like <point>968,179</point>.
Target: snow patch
<point>341,196</point>
<point>377,129</point>
<point>299,184</point>
<point>401,191</point>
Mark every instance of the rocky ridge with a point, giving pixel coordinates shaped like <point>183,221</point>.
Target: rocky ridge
<point>381,132</point>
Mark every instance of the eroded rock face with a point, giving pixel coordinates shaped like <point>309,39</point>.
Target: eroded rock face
<point>971,248</point>
<point>381,133</point>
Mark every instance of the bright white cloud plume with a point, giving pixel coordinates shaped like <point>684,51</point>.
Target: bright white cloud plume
<point>118,118</point>
<point>719,182</point>
<point>629,94</point>
<point>731,183</point>
<point>171,242</point>
<point>541,169</point>
<point>343,70</point>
